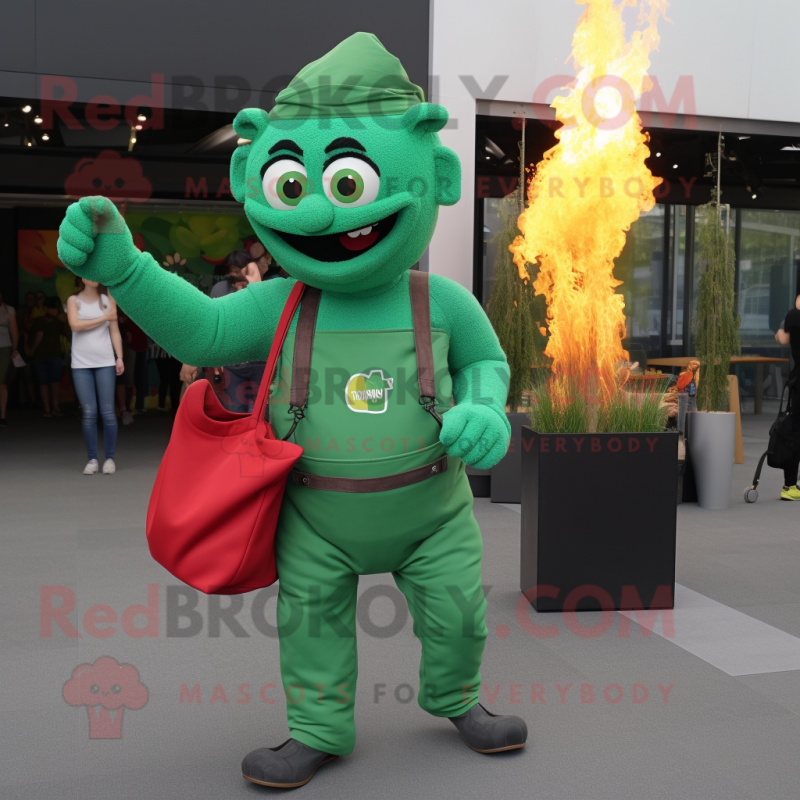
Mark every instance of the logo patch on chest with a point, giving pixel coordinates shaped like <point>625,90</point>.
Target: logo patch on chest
<point>368,393</point>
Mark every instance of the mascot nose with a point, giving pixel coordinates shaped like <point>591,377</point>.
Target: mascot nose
<point>314,214</point>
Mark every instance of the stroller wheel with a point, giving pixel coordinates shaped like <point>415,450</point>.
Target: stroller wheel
<point>750,494</point>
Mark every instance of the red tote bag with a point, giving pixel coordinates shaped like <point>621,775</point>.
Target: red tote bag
<point>214,507</point>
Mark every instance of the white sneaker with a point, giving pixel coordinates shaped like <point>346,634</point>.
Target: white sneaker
<point>109,467</point>
<point>127,417</point>
<point>91,467</point>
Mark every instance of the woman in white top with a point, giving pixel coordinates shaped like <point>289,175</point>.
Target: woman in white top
<point>9,336</point>
<point>96,361</point>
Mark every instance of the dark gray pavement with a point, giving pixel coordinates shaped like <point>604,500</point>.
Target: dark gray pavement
<point>714,735</point>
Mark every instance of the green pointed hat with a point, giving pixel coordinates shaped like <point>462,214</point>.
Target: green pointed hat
<point>358,78</point>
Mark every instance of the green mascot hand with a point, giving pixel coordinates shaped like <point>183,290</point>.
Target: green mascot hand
<point>476,434</point>
<point>94,241</point>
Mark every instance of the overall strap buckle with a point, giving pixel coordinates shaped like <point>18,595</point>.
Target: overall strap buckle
<point>299,413</point>
<point>429,404</point>
<point>421,321</point>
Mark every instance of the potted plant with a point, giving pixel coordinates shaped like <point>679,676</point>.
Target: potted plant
<point>712,428</point>
<point>599,470</point>
<point>517,316</point>
<point>599,505</point>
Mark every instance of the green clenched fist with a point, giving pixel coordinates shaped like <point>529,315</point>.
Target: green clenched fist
<point>476,434</point>
<point>94,241</point>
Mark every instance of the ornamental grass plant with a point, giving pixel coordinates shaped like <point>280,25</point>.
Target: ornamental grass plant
<point>516,313</point>
<point>717,331</point>
<point>631,409</point>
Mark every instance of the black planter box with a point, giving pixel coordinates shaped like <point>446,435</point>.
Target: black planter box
<point>507,474</point>
<point>480,481</point>
<point>599,515</point>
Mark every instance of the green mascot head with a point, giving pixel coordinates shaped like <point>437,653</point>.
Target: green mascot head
<point>343,179</point>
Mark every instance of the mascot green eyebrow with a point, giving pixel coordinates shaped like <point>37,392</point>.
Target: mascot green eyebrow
<point>342,181</point>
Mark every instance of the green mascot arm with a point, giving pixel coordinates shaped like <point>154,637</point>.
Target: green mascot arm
<point>95,242</point>
<point>477,428</point>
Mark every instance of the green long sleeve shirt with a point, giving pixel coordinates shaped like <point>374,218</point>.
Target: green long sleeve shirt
<point>240,326</point>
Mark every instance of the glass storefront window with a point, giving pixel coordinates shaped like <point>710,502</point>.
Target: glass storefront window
<point>492,225</point>
<point>677,256</point>
<point>770,246</point>
<point>767,275</point>
<point>640,267</point>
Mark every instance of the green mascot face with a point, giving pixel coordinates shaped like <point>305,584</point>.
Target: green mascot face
<point>345,197</point>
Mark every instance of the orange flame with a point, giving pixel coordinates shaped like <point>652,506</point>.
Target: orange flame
<point>584,195</point>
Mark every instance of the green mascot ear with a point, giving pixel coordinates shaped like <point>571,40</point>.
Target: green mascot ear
<point>250,123</point>
<point>425,118</point>
<point>448,176</point>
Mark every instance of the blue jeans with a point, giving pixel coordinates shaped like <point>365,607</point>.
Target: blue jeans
<point>95,389</point>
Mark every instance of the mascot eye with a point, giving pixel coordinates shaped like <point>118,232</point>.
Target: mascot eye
<point>350,182</point>
<point>285,183</point>
<point>94,688</point>
<point>116,688</point>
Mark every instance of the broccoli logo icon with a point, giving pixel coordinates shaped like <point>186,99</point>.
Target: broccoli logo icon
<point>110,174</point>
<point>368,393</point>
<point>106,688</point>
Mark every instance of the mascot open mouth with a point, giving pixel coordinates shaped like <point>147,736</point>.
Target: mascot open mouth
<point>340,246</point>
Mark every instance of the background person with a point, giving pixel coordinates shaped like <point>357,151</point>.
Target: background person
<point>789,333</point>
<point>137,342</point>
<point>9,341</point>
<point>169,377</point>
<point>29,376</point>
<point>239,385</point>
<point>48,361</point>
<point>124,382</point>
<point>96,360</point>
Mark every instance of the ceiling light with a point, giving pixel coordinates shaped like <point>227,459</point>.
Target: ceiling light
<point>743,137</point>
<point>45,137</point>
<point>37,119</point>
<point>674,166</point>
<point>141,117</point>
<point>26,109</point>
<point>28,143</point>
<point>5,124</point>
<point>137,127</point>
<point>658,155</point>
<point>133,140</point>
<point>755,196</point>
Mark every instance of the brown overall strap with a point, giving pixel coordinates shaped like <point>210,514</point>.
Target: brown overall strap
<point>301,359</point>
<point>301,370</point>
<point>362,485</point>
<point>303,342</point>
<point>421,318</point>
<point>421,321</point>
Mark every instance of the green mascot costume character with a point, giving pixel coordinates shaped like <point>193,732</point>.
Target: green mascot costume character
<point>342,181</point>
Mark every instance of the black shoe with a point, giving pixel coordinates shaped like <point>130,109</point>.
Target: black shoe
<point>286,767</point>
<point>489,733</point>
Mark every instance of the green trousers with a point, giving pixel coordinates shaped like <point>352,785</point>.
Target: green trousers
<point>427,537</point>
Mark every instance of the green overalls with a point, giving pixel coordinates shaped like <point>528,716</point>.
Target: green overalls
<point>364,420</point>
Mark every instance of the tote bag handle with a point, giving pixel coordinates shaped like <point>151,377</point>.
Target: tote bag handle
<point>275,350</point>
